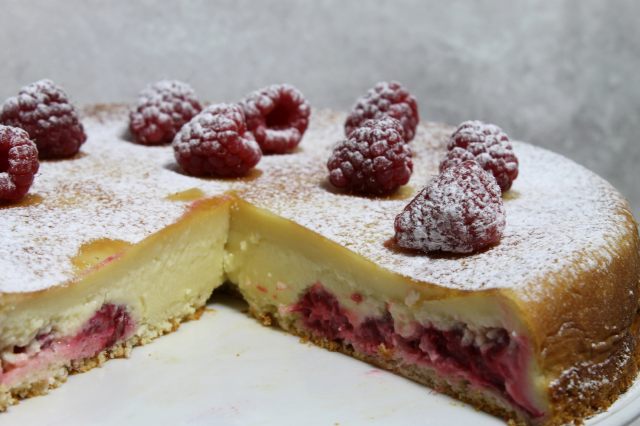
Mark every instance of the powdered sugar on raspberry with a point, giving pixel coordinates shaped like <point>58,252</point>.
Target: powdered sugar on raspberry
<point>459,211</point>
<point>278,116</point>
<point>116,190</point>
<point>18,163</point>
<point>163,108</point>
<point>373,159</point>
<point>562,219</point>
<point>43,109</point>
<point>386,98</point>
<point>488,145</point>
<point>216,143</point>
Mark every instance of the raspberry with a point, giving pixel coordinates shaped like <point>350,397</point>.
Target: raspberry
<point>459,211</point>
<point>489,146</point>
<point>44,111</point>
<point>216,142</point>
<point>374,159</point>
<point>163,108</point>
<point>390,99</point>
<point>277,116</point>
<point>18,163</point>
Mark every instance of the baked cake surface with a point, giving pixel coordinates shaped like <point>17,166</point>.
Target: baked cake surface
<point>562,218</point>
<point>567,267</point>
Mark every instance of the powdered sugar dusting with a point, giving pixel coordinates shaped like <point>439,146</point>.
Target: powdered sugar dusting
<point>215,142</point>
<point>386,98</point>
<point>114,189</point>
<point>488,145</point>
<point>43,110</point>
<point>163,108</point>
<point>278,116</point>
<point>561,218</point>
<point>373,159</point>
<point>586,377</point>
<point>459,211</point>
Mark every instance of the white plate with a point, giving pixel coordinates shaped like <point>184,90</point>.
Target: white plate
<point>226,369</point>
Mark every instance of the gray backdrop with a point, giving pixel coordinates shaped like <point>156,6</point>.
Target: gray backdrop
<point>562,74</point>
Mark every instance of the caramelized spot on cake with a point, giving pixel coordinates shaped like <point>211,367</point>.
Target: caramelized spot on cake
<point>27,200</point>
<point>510,195</point>
<point>95,252</point>
<point>403,193</point>
<point>253,174</point>
<point>190,194</point>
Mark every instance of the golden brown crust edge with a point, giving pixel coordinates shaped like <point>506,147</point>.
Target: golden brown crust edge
<point>586,335</point>
<point>591,388</point>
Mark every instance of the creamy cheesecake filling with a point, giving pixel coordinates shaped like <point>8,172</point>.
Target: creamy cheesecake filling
<point>312,286</point>
<point>271,268</point>
<point>490,358</point>
<point>126,292</point>
<point>109,325</point>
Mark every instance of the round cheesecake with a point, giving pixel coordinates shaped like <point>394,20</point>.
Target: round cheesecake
<point>117,246</point>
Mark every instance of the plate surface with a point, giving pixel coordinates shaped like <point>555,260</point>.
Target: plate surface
<point>226,369</point>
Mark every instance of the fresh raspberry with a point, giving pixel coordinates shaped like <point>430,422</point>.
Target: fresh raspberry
<point>18,163</point>
<point>44,111</point>
<point>163,108</point>
<point>386,98</point>
<point>459,211</point>
<point>278,116</point>
<point>489,146</point>
<point>374,159</point>
<point>216,142</point>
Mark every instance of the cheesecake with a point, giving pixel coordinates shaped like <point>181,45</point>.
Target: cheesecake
<point>117,246</point>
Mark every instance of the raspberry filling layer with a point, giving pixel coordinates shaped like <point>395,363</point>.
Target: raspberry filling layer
<point>108,326</point>
<point>492,359</point>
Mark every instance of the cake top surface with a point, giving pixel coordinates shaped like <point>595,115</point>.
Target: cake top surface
<point>561,217</point>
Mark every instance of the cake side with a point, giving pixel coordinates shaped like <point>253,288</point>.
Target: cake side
<point>568,260</point>
<point>126,299</point>
<point>331,297</point>
<point>471,345</point>
<point>586,330</point>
